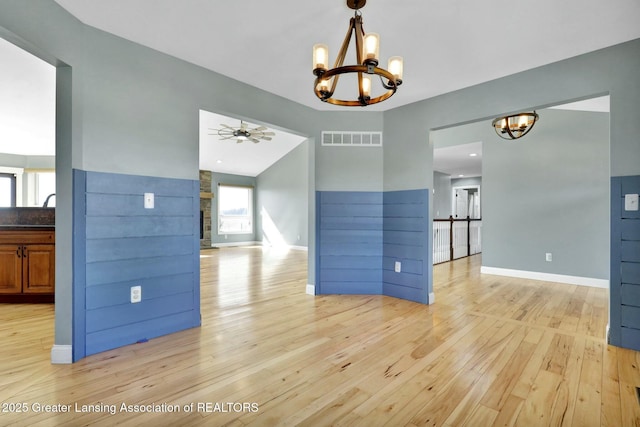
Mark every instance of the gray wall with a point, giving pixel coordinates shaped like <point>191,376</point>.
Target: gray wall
<point>549,192</point>
<point>546,192</point>
<point>614,71</point>
<point>441,195</point>
<point>124,108</point>
<point>283,196</point>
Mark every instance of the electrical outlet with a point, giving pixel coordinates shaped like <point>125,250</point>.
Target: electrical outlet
<point>136,294</point>
<point>548,257</point>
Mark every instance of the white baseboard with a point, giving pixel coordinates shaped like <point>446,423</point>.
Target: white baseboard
<point>231,244</point>
<point>311,290</point>
<point>432,298</point>
<point>547,277</point>
<point>61,354</point>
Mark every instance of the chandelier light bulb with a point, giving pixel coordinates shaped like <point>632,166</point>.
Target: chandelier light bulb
<point>371,47</point>
<point>396,66</point>
<point>320,56</point>
<point>366,86</point>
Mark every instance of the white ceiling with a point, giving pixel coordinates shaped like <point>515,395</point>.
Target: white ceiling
<point>246,158</point>
<point>457,160</point>
<point>446,44</point>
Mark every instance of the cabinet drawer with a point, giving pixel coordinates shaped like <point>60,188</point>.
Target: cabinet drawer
<point>27,237</point>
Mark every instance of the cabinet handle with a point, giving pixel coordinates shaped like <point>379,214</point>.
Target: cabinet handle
<point>18,252</point>
<point>24,252</point>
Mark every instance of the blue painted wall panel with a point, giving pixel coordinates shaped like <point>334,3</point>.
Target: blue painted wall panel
<point>127,248</point>
<point>350,223</point>
<point>349,261</point>
<point>113,294</point>
<point>111,317</point>
<point>127,245</point>
<point>630,273</point>
<point>349,227</point>
<point>407,265</point>
<point>360,236</point>
<point>630,251</point>
<point>352,288</point>
<point>406,239</point>
<point>129,334</point>
<point>624,327</point>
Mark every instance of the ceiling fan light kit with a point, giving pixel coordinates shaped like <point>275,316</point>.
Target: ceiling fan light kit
<point>515,126</point>
<point>244,133</point>
<point>367,55</point>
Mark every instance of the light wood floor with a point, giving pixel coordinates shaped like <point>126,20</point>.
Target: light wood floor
<point>490,351</point>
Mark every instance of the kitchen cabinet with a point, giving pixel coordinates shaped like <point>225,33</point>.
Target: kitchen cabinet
<point>27,264</point>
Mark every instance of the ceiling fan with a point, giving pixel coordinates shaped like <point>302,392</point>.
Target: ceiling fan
<point>244,133</point>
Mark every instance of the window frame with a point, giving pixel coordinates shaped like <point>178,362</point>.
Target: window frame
<point>14,187</point>
<point>250,209</point>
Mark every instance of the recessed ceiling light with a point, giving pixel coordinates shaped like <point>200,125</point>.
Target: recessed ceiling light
<point>218,161</point>
<point>473,155</point>
<point>460,176</point>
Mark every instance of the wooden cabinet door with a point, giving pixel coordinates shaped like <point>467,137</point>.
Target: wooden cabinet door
<point>38,269</point>
<point>10,269</point>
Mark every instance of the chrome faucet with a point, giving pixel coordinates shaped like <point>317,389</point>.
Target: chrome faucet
<point>46,202</point>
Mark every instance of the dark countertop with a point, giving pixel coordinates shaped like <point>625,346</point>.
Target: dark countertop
<point>23,217</point>
<point>26,227</point>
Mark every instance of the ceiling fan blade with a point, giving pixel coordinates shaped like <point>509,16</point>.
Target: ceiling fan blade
<point>243,125</point>
<point>267,138</point>
<point>225,126</point>
<point>260,128</point>
<point>254,140</point>
<point>238,141</point>
<point>269,133</point>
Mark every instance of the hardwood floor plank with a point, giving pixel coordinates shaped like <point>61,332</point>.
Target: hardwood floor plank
<point>492,350</point>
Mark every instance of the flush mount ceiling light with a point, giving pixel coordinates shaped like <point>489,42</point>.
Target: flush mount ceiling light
<point>515,126</point>
<point>243,133</point>
<point>367,49</point>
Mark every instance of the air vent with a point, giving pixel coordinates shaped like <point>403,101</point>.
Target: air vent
<point>352,139</point>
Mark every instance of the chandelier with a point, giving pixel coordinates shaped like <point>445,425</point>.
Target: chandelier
<point>367,49</point>
<point>515,126</point>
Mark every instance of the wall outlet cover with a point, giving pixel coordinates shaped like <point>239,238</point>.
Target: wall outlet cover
<point>630,202</point>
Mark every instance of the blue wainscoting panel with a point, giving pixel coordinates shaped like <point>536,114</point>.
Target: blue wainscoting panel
<point>406,240</point>
<point>349,242</point>
<point>120,244</point>
<point>624,327</point>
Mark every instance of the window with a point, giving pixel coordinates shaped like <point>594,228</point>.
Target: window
<point>235,209</point>
<point>7,190</point>
<point>45,186</point>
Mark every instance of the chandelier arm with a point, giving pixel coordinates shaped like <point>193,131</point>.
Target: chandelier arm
<point>342,53</point>
<point>359,32</point>
<point>355,69</point>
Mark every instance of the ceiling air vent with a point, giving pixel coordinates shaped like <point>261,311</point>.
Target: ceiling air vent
<point>352,139</point>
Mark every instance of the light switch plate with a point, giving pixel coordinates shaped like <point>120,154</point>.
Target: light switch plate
<point>630,202</point>
<point>397,267</point>
<point>149,201</point>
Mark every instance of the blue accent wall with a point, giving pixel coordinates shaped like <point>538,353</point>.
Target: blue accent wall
<point>406,239</point>
<point>119,244</point>
<point>360,236</point>
<point>624,318</point>
<point>349,236</point>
